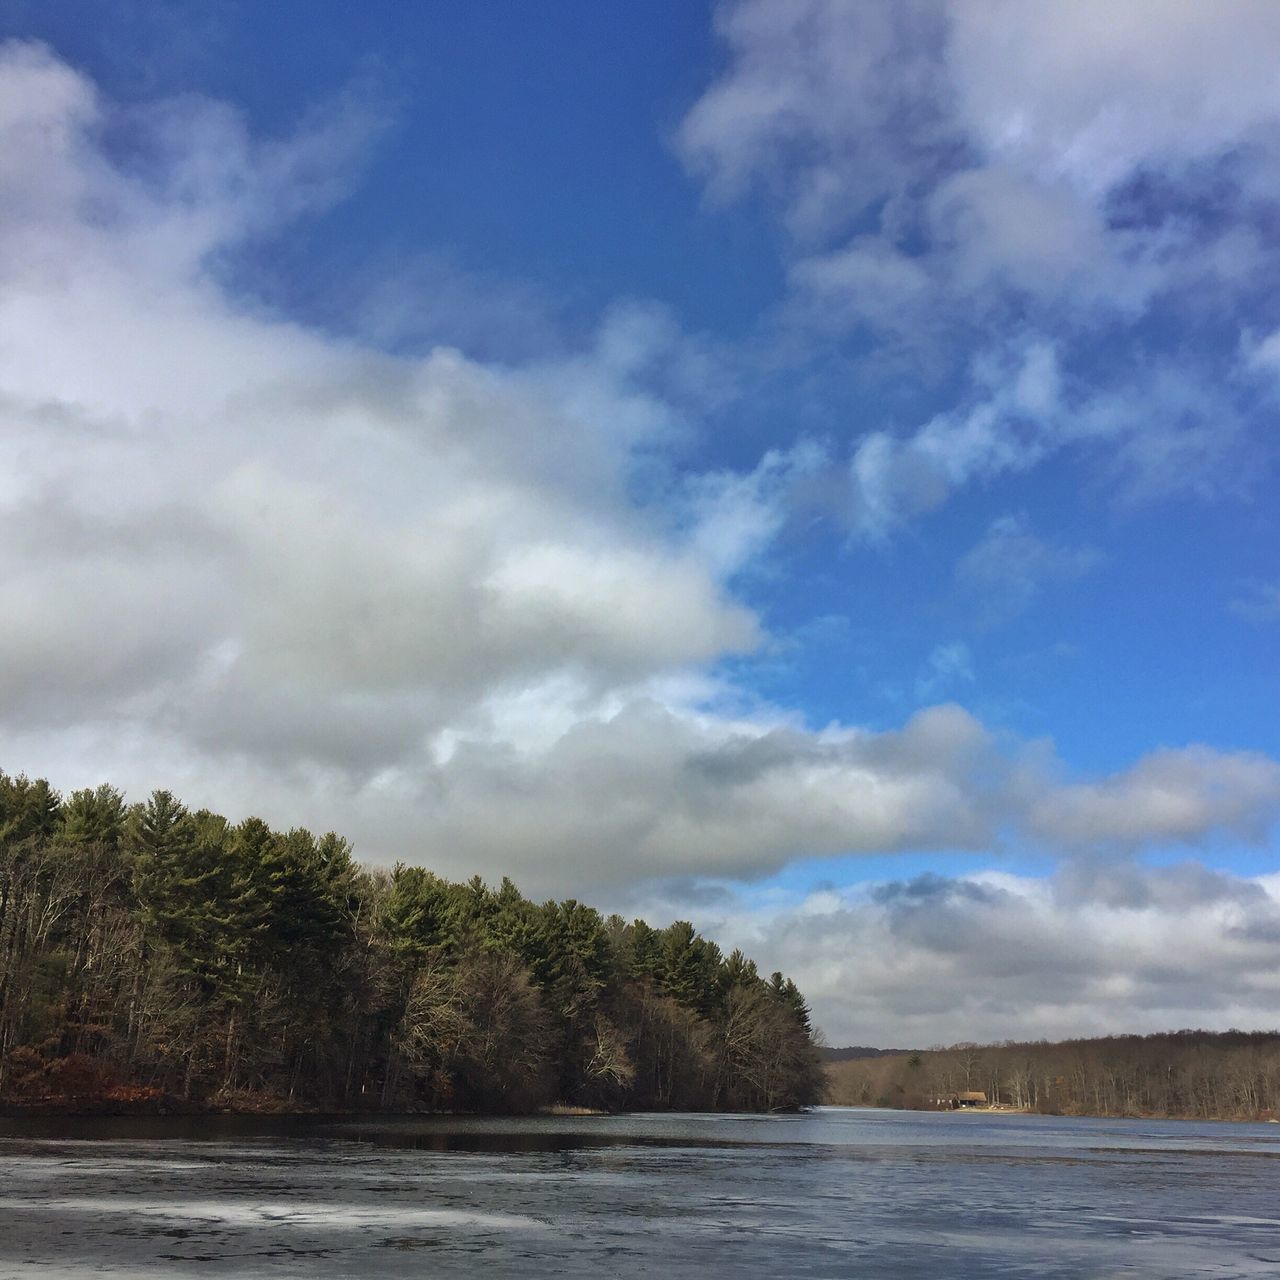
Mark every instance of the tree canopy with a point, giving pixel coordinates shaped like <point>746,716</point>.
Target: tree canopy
<point>148,950</point>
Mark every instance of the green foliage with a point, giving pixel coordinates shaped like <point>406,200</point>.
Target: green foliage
<point>418,914</point>
<point>28,810</point>
<point>171,951</point>
<point>92,817</point>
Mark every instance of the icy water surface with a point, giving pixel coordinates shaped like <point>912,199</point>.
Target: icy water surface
<point>837,1193</point>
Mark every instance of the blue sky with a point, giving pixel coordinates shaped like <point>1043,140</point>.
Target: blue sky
<point>807,467</point>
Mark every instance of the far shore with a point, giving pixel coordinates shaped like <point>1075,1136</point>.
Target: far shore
<point>1062,1115</point>
<point>267,1108</point>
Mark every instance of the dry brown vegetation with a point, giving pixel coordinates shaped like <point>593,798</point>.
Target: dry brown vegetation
<point>1200,1074</point>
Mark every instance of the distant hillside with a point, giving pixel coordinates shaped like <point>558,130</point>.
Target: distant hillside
<point>1201,1074</point>
<point>850,1052</point>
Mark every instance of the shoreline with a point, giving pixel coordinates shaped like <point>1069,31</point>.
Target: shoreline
<point>266,1109</point>
<point>178,1108</point>
<point>1060,1115</point>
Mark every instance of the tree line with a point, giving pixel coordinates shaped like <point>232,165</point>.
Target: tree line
<point>1192,1074</point>
<point>150,952</point>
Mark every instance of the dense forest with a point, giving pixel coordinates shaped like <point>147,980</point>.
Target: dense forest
<point>1200,1074</point>
<point>150,956</point>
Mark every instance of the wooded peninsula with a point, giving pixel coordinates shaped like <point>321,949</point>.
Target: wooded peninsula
<point>153,957</point>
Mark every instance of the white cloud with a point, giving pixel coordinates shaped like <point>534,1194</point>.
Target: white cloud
<point>270,541</point>
<point>993,956</point>
<point>947,173</point>
<point>1163,429</point>
<point>814,103</point>
<point>415,598</point>
<point>1014,422</point>
<point>1093,92</point>
<point>993,227</point>
<point>1006,182</point>
<point>1168,795</point>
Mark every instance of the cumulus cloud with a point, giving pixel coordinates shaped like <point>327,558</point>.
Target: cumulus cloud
<point>993,956</point>
<point>416,597</point>
<point>992,179</point>
<point>813,106</point>
<point>647,792</point>
<point>311,513</point>
<point>1005,144</point>
<point>1094,94</point>
<point>1168,795</point>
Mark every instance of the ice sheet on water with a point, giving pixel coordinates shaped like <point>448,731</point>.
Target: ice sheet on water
<point>836,1193</point>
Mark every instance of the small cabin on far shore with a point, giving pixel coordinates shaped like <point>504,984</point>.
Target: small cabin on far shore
<point>966,1098</point>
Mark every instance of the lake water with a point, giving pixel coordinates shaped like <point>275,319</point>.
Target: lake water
<point>836,1193</point>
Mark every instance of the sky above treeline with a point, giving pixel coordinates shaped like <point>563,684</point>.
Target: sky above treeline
<point>801,466</point>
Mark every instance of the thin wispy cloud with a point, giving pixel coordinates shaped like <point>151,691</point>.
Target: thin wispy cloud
<point>1009,566</point>
<point>1259,602</point>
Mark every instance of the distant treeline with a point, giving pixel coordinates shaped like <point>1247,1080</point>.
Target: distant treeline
<point>850,1051</point>
<point>149,953</point>
<point>1202,1074</point>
